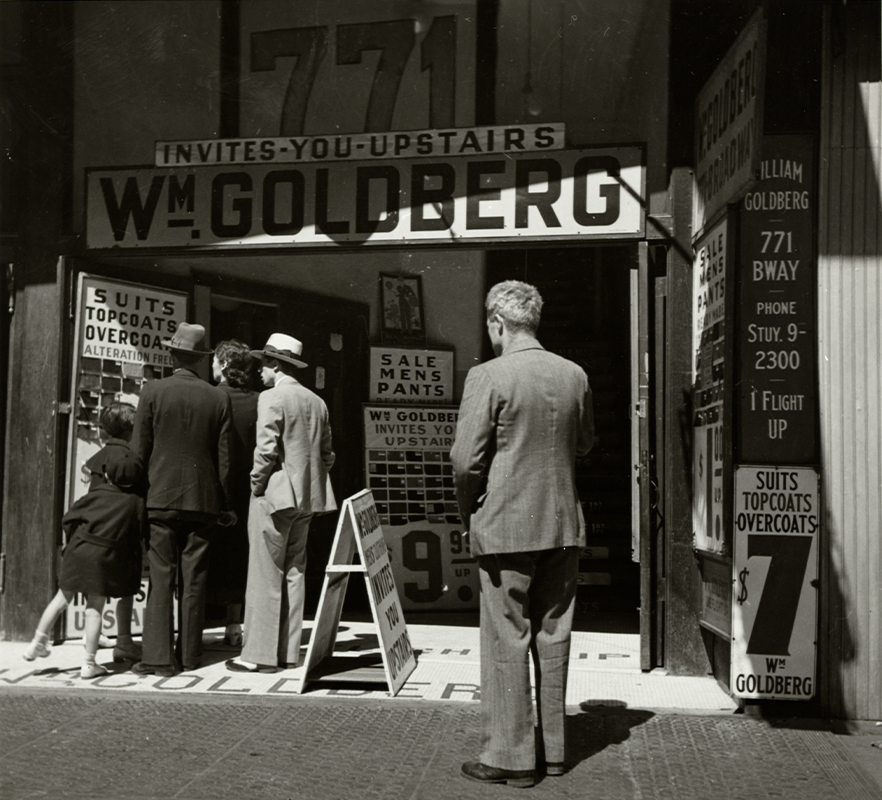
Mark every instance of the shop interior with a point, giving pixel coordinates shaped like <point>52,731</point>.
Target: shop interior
<point>330,301</point>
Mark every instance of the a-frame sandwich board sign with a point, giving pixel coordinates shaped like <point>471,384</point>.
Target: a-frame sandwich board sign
<point>359,531</point>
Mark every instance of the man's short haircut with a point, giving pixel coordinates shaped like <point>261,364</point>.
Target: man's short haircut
<point>184,358</point>
<point>117,420</point>
<point>518,303</point>
<point>284,366</point>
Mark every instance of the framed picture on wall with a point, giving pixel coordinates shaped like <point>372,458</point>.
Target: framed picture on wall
<point>401,300</point>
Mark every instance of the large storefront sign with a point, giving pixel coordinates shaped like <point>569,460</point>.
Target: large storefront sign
<point>407,462</point>
<point>120,328</point>
<point>311,67</point>
<point>709,396</point>
<point>558,195</point>
<point>728,120</point>
<point>775,572</point>
<point>776,404</point>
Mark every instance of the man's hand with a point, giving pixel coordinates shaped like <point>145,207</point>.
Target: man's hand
<point>227,518</point>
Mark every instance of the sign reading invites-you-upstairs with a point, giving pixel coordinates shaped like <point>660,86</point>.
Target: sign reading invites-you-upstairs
<point>470,196</point>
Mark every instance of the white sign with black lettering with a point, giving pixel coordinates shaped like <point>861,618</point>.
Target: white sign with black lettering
<point>410,375</point>
<point>775,572</point>
<point>523,196</point>
<point>359,531</point>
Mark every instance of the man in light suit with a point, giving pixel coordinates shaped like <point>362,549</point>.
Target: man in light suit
<point>289,484</point>
<point>183,433</point>
<point>524,418</point>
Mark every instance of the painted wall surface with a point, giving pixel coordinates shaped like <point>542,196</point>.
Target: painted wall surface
<point>600,67</point>
<point>142,71</point>
<point>850,362</point>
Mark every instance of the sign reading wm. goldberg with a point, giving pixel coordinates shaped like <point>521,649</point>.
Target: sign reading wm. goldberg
<point>728,119</point>
<point>523,196</point>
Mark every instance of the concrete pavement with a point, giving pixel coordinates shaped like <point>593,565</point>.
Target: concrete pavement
<point>631,734</point>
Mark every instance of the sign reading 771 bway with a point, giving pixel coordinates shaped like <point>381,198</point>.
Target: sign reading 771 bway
<point>775,571</point>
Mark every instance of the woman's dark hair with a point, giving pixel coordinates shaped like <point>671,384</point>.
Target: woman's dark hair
<point>117,420</point>
<point>236,356</point>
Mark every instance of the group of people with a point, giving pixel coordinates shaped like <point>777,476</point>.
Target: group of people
<point>206,475</point>
<point>524,418</point>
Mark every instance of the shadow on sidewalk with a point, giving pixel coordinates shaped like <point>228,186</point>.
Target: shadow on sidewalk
<point>599,726</point>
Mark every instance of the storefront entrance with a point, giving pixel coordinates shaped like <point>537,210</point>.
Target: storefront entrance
<point>587,318</point>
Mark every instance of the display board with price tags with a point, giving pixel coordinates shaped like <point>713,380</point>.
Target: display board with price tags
<point>775,575</point>
<point>408,470</point>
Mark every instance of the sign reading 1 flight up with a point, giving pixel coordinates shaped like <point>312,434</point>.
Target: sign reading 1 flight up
<point>775,408</point>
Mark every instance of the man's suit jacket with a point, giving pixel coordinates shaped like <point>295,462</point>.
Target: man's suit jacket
<point>183,433</point>
<point>293,453</point>
<point>524,418</point>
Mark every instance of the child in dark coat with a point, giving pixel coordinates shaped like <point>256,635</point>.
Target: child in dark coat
<point>117,422</point>
<point>103,554</point>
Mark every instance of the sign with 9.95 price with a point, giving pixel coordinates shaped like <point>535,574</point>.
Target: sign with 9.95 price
<point>408,470</point>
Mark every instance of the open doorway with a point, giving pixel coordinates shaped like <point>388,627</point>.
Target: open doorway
<point>586,317</point>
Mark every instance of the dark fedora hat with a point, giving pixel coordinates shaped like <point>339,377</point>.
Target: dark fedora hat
<point>282,347</point>
<point>188,339</point>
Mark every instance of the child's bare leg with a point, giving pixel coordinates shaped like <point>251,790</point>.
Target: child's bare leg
<point>39,645</point>
<point>94,607</point>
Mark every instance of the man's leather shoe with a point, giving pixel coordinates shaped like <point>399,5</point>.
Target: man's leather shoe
<point>555,768</point>
<point>238,666</point>
<point>476,771</point>
<point>149,669</point>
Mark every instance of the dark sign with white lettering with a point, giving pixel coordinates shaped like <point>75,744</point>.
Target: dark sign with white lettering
<point>775,404</point>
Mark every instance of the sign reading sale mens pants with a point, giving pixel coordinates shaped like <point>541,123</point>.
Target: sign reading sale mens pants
<point>775,572</point>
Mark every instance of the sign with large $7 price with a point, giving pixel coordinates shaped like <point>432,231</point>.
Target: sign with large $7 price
<point>775,571</point>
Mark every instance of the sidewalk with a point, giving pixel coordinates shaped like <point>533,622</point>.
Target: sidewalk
<point>215,734</point>
<point>604,667</point>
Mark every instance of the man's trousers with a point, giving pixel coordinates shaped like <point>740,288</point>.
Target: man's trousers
<point>276,587</point>
<point>527,604</point>
<point>178,557</point>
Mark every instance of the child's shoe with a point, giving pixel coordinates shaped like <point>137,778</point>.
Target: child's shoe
<point>92,670</point>
<point>233,635</point>
<point>38,648</point>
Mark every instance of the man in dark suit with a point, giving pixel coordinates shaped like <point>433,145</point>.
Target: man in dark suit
<point>524,418</point>
<point>183,433</point>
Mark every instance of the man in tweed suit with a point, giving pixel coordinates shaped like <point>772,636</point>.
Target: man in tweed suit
<point>289,484</point>
<point>524,418</point>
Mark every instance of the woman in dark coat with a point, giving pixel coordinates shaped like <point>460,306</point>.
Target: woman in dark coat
<point>231,368</point>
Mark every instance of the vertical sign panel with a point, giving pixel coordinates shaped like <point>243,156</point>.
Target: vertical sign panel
<point>407,461</point>
<point>708,372</point>
<point>776,328</point>
<point>775,571</point>
<point>120,329</point>
<point>118,346</point>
